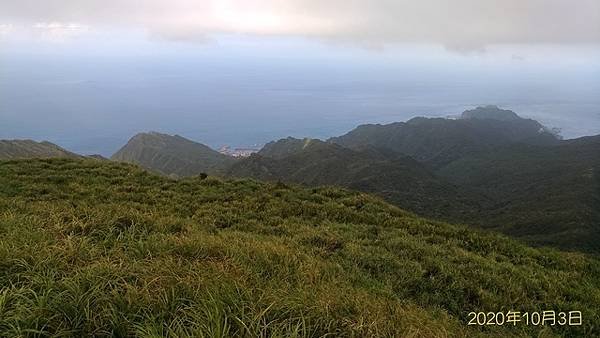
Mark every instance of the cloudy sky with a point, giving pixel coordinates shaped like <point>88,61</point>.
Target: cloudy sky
<point>456,24</point>
<point>88,73</point>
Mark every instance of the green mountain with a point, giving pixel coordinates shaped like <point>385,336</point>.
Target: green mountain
<point>22,149</point>
<point>286,147</point>
<point>397,178</point>
<point>439,141</point>
<point>546,195</point>
<point>171,155</point>
<point>93,248</point>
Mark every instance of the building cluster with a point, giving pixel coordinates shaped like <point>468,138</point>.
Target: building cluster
<point>238,152</point>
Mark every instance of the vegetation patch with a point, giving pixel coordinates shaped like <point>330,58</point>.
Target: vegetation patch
<point>117,251</point>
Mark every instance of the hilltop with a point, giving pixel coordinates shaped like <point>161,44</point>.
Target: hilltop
<point>102,248</point>
<point>490,113</point>
<point>171,155</point>
<point>22,149</point>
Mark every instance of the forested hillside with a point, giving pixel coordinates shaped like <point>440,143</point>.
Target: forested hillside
<point>547,195</point>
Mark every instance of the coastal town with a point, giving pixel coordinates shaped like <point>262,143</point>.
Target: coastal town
<point>239,152</point>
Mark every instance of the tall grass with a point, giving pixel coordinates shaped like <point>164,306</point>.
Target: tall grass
<point>104,249</point>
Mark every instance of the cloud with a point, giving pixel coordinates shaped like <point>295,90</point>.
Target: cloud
<point>458,24</point>
<point>5,30</point>
<point>58,31</point>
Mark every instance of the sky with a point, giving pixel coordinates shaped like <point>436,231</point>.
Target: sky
<point>89,74</point>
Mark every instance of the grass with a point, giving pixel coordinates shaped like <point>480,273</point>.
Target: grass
<point>90,248</point>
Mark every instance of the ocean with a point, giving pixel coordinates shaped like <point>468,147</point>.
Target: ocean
<point>93,106</point>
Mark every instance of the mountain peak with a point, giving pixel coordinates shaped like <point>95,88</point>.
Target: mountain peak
<point>490,112</point>
<point>171,154</point>
<point>152,135</point>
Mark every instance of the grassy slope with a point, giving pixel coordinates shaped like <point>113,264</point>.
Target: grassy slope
<point>88,247</point>
<point>21,149</point>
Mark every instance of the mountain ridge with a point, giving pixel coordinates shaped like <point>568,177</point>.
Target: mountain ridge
<point>439,141</point>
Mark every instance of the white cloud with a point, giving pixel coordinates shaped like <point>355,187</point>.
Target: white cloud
<point>458,24</point>
<point>58,30</point>
<point>5,29</point>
